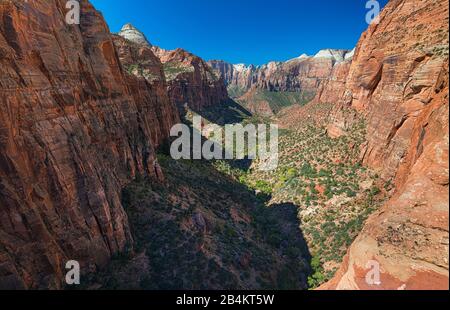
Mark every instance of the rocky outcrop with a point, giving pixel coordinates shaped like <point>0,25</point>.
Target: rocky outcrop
<point>267,89</point>
<point>302,74</point>
<point>139,61</point>
<point>190,81</point>
<point>74,128</point>
<point>399,80</point>
<point>130,33</point>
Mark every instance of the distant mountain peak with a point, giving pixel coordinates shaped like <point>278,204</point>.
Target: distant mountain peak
<point>338,55</point>
<point>350,54</point>
<point>132,34</point>
<point>301,57</point>
<point>240,67</point>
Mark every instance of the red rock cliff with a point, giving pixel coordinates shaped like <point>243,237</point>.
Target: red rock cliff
<point>74,128</point>
<point>190,80</point>
<point>302,74</point>
<point>399,81</point>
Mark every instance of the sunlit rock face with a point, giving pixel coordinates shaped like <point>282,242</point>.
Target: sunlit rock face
<point>130,33</point>
<point>190,81</point>
<point>301,74</point>
<point>82,112</point>
<point>266,89</point>
<point>74,129</point>
<point>399,80</point>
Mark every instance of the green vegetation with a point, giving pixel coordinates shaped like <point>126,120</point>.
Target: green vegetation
<point>173,69</point>
<point>227,225</point>
<point>138,69</point>
<point>322,176</point>
<point>280,100</point>
<point>200,229</point>
<point>235,91</point>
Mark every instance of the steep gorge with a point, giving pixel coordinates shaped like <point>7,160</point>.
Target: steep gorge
<point>397,81</point>
<point>83,111</point>
<point>74,129</point>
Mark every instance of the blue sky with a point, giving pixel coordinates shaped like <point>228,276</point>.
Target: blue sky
<point>242,31</point>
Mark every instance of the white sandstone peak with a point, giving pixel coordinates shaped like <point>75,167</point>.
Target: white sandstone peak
<point>337,55</point>
<point>301,57</point>
<point>350,54</point>
<point>132,34</point>
<point>240,67</point>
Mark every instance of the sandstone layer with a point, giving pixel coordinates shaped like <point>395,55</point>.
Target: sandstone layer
<point>74,128</point>
<point>399,80</point>
<point>302,74</point>
<point>131,33</point>
<point>190,80</point>
<point>266,89</point>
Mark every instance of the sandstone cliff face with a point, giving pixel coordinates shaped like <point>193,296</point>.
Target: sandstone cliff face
<point>190,80</point>
<point>302,74</point>
<point>74,128</point>
<point>267,89</point>
<point>399,81</point>
<point>149,85</point>
<point>332,89</point>
<point>130,33</point>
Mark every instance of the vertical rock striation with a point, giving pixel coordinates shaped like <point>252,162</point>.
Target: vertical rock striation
<point>301,74</point>
<point>399,80</point>
<point>267,89</point>
<point>190,80</point>
<point>74,128</point>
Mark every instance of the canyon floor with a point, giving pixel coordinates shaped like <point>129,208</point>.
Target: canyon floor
<point>226,225</point>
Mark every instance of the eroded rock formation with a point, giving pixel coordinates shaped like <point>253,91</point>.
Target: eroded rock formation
<point>132,34</point>
<point>74,128</point>
<point>82,112</point>
<point>266,89</point>
<point>301,74</point>
<point>190,80</point>
<point>399,80</point>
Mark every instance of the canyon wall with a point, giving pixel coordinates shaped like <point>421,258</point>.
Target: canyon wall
<point>399,80</point>
<point>74,129</point>
<point>267,89</point>
<point>82,112</point>
<point>302,74</point>
<point>190,80</point>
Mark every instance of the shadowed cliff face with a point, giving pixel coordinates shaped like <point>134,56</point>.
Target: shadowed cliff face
<point>399,81</point>
<point>74,129</point>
